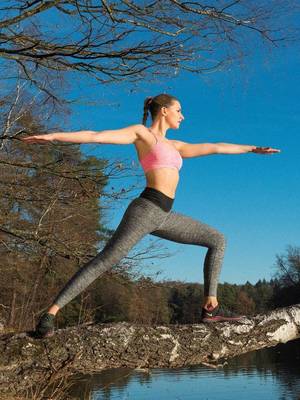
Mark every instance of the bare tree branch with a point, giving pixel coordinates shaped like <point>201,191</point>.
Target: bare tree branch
<point>114,345</point>
<point>111,41</point>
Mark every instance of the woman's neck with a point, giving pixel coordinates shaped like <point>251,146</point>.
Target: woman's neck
<point>159,129</point>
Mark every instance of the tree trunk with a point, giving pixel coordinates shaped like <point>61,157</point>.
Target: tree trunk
<point>90,348</point>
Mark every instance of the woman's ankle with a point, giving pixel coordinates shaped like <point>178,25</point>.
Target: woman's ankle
<point>210,302</point>
<point>53,309</point>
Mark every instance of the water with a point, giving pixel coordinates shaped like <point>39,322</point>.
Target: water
<point>269,374</point>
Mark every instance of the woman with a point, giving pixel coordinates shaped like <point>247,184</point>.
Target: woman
<point>150,213</point>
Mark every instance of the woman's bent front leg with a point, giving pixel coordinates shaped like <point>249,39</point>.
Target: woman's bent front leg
<point>183,229</point>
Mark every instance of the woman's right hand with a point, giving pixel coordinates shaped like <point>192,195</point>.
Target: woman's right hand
<point>38,138</point>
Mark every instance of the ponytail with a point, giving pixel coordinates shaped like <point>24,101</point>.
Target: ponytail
<point>147,103</point>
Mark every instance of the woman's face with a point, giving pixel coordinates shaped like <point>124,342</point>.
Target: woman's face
<point>173,114</point>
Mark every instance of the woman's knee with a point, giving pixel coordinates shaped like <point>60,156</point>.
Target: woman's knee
<point>219,240</point>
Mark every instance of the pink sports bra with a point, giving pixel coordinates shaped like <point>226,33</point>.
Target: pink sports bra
<point>161,155</point>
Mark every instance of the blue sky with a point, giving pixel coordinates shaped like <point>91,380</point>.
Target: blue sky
<point>253,199</point>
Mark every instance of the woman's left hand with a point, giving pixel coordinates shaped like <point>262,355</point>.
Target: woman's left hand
<point>265,150</point>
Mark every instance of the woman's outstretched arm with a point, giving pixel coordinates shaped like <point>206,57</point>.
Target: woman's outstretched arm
<point>118,136</point>
<point>230,148</point>
<point>203,149</point>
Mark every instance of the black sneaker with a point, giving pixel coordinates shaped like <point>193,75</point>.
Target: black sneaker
<point>219,314</point>
<point>45,326</point>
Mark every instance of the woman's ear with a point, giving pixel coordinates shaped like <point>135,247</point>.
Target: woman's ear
<point>164,111</point>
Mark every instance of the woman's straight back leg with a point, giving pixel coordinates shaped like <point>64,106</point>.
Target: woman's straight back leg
<point>140,218</point>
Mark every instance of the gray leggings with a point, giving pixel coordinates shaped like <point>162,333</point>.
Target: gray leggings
<point>141,218</point>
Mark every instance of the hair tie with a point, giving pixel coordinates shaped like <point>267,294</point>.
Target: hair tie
<point>150,99</point>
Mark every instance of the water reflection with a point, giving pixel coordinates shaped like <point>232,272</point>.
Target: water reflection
<point>266,374</point>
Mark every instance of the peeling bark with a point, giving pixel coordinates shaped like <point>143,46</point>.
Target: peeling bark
<point>25,361</point>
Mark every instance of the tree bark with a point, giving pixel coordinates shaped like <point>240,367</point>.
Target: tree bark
<point>90,348</point>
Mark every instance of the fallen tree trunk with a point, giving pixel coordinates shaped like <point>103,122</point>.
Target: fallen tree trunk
<point>25,361</point>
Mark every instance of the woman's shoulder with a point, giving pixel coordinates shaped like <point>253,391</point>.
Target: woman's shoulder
<point>178,144</point>
<point>142,132</point>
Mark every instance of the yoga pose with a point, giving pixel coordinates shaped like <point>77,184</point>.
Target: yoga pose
<point>151,212</point>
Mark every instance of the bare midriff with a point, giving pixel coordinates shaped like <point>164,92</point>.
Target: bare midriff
<point>163,179</point>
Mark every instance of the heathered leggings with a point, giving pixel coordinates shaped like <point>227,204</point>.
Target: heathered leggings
<point>143,217</point>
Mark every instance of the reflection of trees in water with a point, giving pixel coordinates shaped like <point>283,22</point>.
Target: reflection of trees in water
<point>112,380</point>
<point>282,362</point>
<point>288,358</point>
